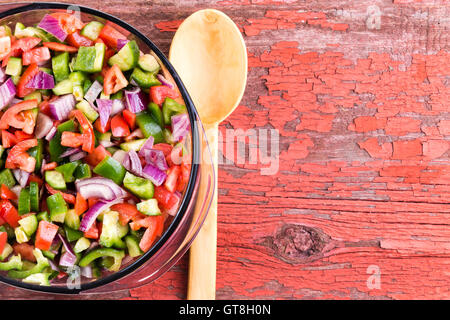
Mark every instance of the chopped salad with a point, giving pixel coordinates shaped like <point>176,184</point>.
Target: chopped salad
<point>94,152</point>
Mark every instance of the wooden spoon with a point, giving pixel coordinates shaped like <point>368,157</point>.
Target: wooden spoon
<point>210,56</point>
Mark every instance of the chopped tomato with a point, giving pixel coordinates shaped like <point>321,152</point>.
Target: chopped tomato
<point>92,201</point>
<point>172,178</point>
<point>72,139</point>
<point>166,199</point>
<point>49,166</point>
<point>5,47</point>
<point>159,93</point>
<point>88,131</point>
<point>3,240</point>
<point>36,55</point>
<point>130,118</point>
<point>167,151</point>
<point>110,36</point>
<point>154,230</point>
<point>16,117</point>
<point>46,232</point>
<point>77,40</point>
<point>66,196</point>
<point>2,222</point>
<point>19,158</point>
<point>97,155</point>
<point>68,22</point>
<point>99,128</point>
<point>35,178</point>
<point>183,178</point>
<point>108,54</point>
<point>25,250</point>
<point>127,212</point>
<point>20,135</point>
<point>81,205</point>
<point>119,127</point>
<point>44,107</point>
<point>92,232</point>
<point>8,139</point>
<point>7,194</point>
<point>114,80</point>
<point>26,43</point>
<point>56,46</point>
<point>29,73</point>
<point>9,213</point>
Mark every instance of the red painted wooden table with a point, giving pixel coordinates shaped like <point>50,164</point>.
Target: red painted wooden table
<point>359,207</point>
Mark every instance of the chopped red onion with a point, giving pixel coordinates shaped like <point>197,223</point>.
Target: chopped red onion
<point>77,156</point>
<point>104,107</point>
<point>164,81</point>
<point>148,145</point>
<point>180,126</point>
<point>156,158</point>
<point>135,100</point>
<point>98,187</point>
<point>2,75</point>
<point>86,272</point>
<point>42,80</point>
<point>119,155</point>
<point>21,177</point>
<point>107,144</point>
<point>51,134</point>
<point>132,163</point>
<point>61,107</point>
<point>43,125</point>
<point>121,43</point>
<point>68,258</point>
<point>154,174</point>
<point>7,93</point>
<point>117,106</point>
<point>94,90</point>
<point>51,25</point>
<point>92,214</point>
<point>70,152</point>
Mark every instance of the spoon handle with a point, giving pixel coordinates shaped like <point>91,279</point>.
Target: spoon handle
<point>202,258</point>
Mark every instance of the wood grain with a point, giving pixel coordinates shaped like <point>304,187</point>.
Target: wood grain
<point>359,93</point>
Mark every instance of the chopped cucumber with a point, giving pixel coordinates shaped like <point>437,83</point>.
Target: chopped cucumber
<point>127,58</point>
<point>135,145</point>
<point>14,66</point>
<point>63,87</point>
<point>92,30</point>
<point>55,179</point>
<point>148,63</point>
<point>87,110</point>
<point>29,224</point>
<point>149,207</point>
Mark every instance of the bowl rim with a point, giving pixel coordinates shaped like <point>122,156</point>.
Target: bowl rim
<point>193,178</point>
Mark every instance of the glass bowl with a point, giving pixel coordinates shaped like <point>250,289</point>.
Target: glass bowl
<point>196,199</point>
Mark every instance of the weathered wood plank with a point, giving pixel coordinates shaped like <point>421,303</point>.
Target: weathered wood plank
<point>359,93</point>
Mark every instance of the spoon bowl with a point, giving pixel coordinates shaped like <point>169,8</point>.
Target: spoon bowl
<point>209,54</point>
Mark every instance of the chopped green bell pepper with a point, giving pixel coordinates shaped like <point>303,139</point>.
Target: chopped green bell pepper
<point>55,147</point>
<point>15,262</point>
<point>171,107</point>
<point>112,169</point>
<point>103,252</point>
<point>24,201</point>
<point>82,171</point>
<point>60,66</point>
<point>68,169</point>
<point>149,127</point>
<point>71,234</point>
<point>141,187</point>
<point>41,279</point>
<point>144,79</point>
<point>156,113</point>
<point>57,207</point>
<point>7,178</point>
<point>42,263</point>
<point>132,243</point>
<point>37,152</point>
